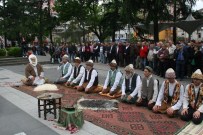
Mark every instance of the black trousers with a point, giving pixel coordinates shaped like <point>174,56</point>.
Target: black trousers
<point>144,103</point>
<point>189,116</point>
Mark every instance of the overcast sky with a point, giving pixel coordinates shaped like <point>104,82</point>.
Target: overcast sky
<point>199,5</point>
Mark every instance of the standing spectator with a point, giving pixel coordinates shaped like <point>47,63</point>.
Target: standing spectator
<point>171,49</point>
<point>150,56</point>
<point>143,55</point>
<point>101,53</point>
<point>127,54</point>
<point>24,47</point>
<point>138,47</point>
<point>197,59</point>
<point>132,53</point>
<point>190,50</point>
<point>163,56</point>
<point>51,52</point>
<point>96,49</point>
<point>120,51</point>
<point>180,55</point>
<point>34,49</point>
<point>112,51</point>
<point>106,52</point>
<point>82,56</point>
<point>156,59</point>
<point>87,52</point>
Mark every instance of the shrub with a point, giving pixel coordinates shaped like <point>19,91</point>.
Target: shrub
<point>2,52</point>
<point>14,51</point>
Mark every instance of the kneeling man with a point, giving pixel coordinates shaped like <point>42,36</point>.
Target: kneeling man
<point>66,70</point>
<point>34,72</point>
<point>149,91</point>
<point>170,96</point>
<point>89,79</point>
<point>192,102</point>
<point>113,80</point>
<point>76,74</point>
<point>131,87</point>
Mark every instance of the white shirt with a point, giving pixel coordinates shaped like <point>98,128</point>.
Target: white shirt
<point>117,80</point>
<point>93,76</point>
<point>77,79</point>
<point>137,89</point>
<point>156,91</point>
<point>101,49</point>
<point>160,98</point>
<point>171,49</point>
<point>36,72</point>
<point>186,98</point>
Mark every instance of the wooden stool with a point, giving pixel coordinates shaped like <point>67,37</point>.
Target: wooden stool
<point>50,102</point>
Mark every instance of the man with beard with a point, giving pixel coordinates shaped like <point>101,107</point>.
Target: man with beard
<point>131,86</point>
<point>170,96</point>
<point>66,69</point>
<point>113,81</point>
<point>192,102</point>
<point>76,74</point>
<point>34,72</point>
<point>89,80</point>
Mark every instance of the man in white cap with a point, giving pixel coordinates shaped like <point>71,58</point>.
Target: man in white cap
<point>113,81</point>
<point>150,89</point>
<point>131,86</point>
<point>192,102</point>
<point>66,69</point>
<point>170,96</point>
<point>76,74</point>
<point>89,80</point>
<point>33,72</point>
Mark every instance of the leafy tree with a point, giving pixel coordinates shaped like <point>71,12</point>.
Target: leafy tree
<point>99,19</point>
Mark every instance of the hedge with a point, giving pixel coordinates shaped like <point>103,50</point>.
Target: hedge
<point>14,51</point>
<point>2,52</point>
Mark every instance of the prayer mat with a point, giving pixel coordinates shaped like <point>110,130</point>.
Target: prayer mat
<point>126,120</point>
<point>191,129</point>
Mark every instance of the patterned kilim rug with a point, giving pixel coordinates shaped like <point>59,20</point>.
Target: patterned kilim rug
<point>126,120</point>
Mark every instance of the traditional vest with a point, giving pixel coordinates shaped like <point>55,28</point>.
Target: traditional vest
<point>112,77</point>
<point>191,94</point>
<point>96,81</point>
<point>133,83</point>
<point>147,91</point>
<point>176,93</point>
<point>75,74</point>
<point>65,71</point>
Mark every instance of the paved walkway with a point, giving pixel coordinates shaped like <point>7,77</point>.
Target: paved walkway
<point>18,113</point>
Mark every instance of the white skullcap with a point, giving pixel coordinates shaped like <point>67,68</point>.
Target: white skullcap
<point>197,75</point>
<point>170,73</point>
<point>89,62</point>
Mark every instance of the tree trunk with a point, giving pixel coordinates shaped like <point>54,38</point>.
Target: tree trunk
<point>174,20</point>
<point>40,25</point>
<point>156,31</point>
<point>113,36</point>
<point>5,39</point>
<point>50,34</point>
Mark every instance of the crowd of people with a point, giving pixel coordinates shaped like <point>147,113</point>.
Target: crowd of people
<point>184,58</point>
<point>171,98</point>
